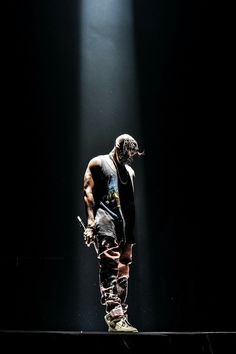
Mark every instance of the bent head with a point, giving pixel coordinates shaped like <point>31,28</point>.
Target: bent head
<point>125,148</point>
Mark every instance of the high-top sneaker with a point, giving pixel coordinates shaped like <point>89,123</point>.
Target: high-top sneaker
<point>119,324</point>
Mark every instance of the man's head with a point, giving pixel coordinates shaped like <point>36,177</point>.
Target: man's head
<point>125,148</point>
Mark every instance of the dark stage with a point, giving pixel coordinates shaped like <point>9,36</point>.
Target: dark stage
<point>157,342</point>
<point>79,73</point>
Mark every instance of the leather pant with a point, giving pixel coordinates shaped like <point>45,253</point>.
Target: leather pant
<point>114,266</point>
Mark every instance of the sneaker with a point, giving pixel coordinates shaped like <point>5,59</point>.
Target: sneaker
<point>119,324</point>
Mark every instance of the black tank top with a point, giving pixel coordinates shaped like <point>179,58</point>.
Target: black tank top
<point>114,192</point>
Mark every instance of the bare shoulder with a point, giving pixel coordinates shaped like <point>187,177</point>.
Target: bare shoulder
<point>95,162</point>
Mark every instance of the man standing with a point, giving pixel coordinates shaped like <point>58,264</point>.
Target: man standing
<point>110,211</point>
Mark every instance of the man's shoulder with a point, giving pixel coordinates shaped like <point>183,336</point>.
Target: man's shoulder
<point>97,160</point>
<point>104,157</point>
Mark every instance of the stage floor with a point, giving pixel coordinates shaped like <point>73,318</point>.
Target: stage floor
<point>158,342</point>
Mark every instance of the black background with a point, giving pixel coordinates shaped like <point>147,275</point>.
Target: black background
<point>184,70</point>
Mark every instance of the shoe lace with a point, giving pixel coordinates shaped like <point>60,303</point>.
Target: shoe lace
<point>124,322</point>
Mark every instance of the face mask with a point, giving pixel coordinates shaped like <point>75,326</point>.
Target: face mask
<point>126,150</point>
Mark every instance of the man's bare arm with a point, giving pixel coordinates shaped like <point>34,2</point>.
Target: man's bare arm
<point>88,189</point>
<point>89,183</point>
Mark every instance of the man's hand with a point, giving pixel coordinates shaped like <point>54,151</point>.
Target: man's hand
<point>89,235</point>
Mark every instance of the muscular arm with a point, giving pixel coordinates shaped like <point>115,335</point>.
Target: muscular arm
<point>89,184</point>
